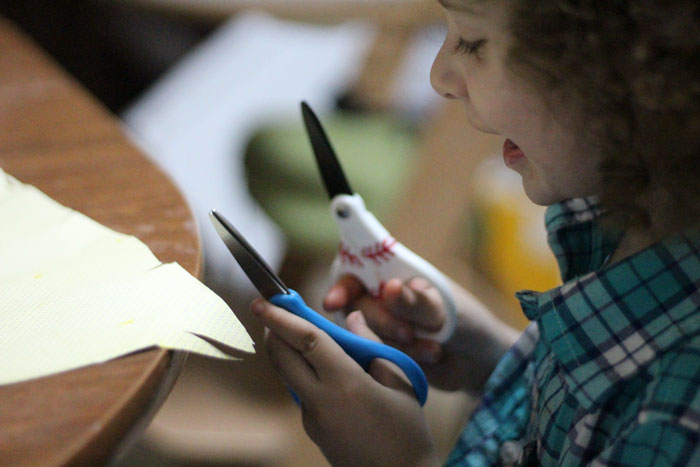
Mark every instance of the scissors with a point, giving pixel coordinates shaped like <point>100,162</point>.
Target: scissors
<point>367,250</point>
<point>270,286</point>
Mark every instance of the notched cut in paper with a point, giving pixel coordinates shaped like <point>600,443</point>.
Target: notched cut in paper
<point>73,293</point>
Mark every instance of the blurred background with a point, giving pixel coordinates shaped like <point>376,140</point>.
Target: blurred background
<point>210,91</point>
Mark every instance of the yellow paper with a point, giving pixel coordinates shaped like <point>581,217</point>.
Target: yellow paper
<point>73,293</point>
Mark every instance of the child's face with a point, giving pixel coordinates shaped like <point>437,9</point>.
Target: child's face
<point>471,67</point>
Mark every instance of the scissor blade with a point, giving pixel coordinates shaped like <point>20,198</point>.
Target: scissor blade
<point>255,267</point>
<point>331,172</point>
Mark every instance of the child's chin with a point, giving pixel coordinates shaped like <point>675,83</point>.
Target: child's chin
<point>540,195</point>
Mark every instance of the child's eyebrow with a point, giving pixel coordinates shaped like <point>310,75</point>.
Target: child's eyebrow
<point>461,6</point>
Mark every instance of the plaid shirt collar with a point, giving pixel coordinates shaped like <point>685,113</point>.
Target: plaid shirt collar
<point>606,326</point>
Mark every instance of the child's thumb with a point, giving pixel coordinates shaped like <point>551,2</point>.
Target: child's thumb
<point>356,323</point>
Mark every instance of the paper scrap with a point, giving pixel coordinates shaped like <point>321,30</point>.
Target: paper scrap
<point>74,293</point>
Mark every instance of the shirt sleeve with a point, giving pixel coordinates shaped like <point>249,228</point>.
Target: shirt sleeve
<point>658,444</point>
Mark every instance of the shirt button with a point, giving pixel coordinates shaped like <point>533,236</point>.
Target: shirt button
<point>510,452</point>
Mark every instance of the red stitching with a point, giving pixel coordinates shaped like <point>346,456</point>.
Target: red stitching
<point>380,251</point>
<point>346,256</point>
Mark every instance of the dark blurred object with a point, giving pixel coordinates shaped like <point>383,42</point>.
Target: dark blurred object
<point>114,50</point>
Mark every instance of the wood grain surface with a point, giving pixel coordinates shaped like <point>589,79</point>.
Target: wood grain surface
<point>56,137</point>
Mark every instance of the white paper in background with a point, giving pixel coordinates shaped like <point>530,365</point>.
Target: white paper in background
<point>73,293</point>
<point>413,94</point>
<point>195,121</point>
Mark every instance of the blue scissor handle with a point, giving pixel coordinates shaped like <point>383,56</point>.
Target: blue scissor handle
<point>360,349</point>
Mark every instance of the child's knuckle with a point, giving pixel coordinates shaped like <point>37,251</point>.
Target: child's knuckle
<point>310,342</point>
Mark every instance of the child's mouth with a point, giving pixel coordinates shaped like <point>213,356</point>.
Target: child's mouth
<point>512,154</point>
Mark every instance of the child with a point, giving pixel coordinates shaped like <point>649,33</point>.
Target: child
<point>599,103</point>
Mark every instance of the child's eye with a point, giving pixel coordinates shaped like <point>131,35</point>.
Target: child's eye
<point>469,47</point>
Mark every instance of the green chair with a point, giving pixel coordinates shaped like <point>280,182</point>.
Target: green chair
<point>376,151</point>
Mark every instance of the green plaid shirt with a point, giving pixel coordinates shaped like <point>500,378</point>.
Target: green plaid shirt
<point>608,373</point>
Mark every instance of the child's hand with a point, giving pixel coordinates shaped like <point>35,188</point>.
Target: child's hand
<point>464,362</point>
<point>395,316</point>
<point>356,418</point>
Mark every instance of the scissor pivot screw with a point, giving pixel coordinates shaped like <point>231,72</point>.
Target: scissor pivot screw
<point>342,211</point>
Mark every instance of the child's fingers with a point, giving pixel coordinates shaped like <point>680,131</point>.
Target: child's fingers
<point>322,353</point>
<point>381,370</point>
<point>416,301</point>
<point>383,322</point>
<point>347,289</point>
<point>357,324</point>
<point>290,364</point>
<point>425,351</point>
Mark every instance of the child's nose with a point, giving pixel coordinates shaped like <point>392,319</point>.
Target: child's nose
<point>444,78</point>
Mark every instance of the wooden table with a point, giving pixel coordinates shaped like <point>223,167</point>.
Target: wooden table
<point>55,136</point>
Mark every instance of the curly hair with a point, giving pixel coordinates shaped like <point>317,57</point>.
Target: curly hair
<point>631,69</point>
